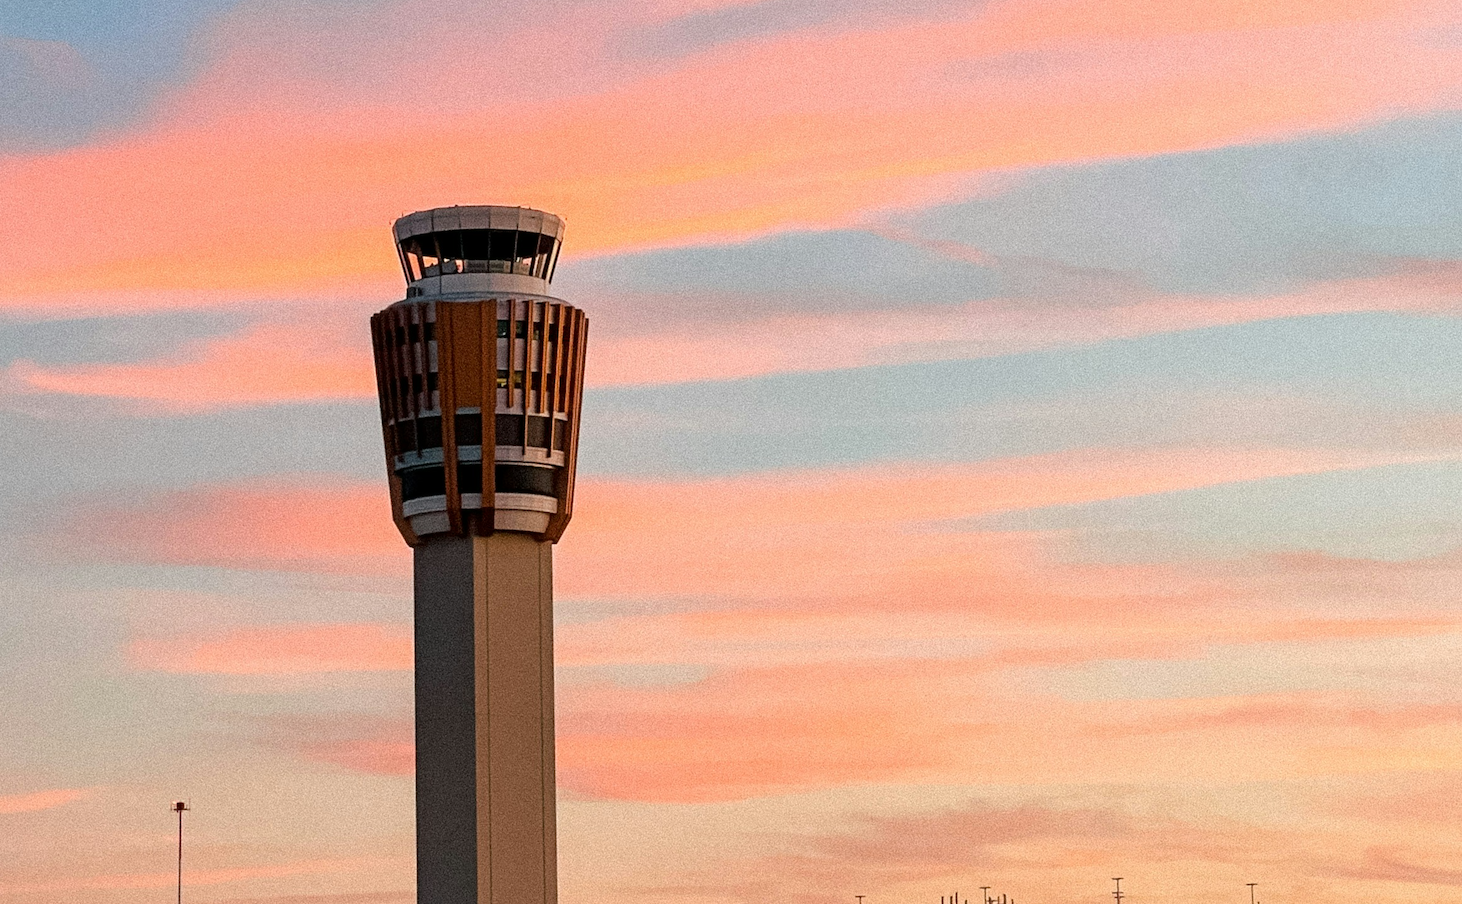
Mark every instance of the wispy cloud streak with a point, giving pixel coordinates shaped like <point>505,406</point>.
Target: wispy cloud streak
<point>35,801</point>
<point>279,650</point>
<point>751,138</point>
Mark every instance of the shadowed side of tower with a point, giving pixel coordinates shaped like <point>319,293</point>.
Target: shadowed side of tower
<point>480,376</point>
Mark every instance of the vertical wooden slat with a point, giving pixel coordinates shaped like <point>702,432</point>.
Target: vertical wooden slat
<point>466,353</point>
<point>418,353</point>
<point>488,352</point>
<point>527,367</point>
<point>512,346</point>
<point>572,458</point>
<point>378,350</point>
<point>545,395</point>
<point>402,368</point>
<point>381,340</point>
<point>389,359</point>
<point>565,317</point>
<point>543,361</point>
<point>446,391</point>
<point>560,521</point>
<point>388,364</point>
<point>399,367</point>
<point>408,359</point>
<point>561,320</point>
<point>550,395</point>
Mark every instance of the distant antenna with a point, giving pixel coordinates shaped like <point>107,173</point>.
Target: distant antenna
<point>180,808</point>
<point>1118,893</point>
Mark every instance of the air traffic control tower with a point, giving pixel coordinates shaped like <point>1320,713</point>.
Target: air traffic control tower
<point>480,373</point>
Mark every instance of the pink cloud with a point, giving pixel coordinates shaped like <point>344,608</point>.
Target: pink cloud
<point>370,897</point>
<point>282,128</point>
<point>215,876</point>
<point>878,532</point>
<point>753,732</point>
<point>268,364</point>
<point>321,524</point>
<point>868,532</point>
<point>1050,844</point>
<point>1390,863</point>
<point>1427,799</point>
<point>36,801</point>
<point>814,342</point>
<point>851,627</point>
<point>372,756</point>
<point>361,743</point>
<point>279,650</point>
<point>274,363</point>
<point>834,716</point>
<point>748,732</point>
<point>1311,710</point>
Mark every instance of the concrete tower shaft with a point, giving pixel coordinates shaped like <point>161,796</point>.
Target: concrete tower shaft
<point>480,375</point>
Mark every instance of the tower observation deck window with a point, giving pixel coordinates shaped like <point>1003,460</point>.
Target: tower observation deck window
<point>479,251</point>
<point>420,482</point>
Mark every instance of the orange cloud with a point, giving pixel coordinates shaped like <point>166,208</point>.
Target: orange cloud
<point>864,532</point>
<point>850,628</point>
<point>35,801</point>
<point>1060,844</point>
<point>279,650</point>
<point>260,178</point>
<point>795,700</point>
<point>366,744</point>
<point>750,730</point>
<point>123,881</point>
<point>1087,20</point>
<point>372,756</point>
<point>323,525</point>
<point>281,364</point>
<point>1278,710</point>
<point>875,532</point>
<point>269,364</point>
<point>383,897</point>
<point>814,342</point>
<point>756,731</point>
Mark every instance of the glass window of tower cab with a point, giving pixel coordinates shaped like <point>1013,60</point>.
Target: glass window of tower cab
<point>480,375</point>
<point>453,242</point>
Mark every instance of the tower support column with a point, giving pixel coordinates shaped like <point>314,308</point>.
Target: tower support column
<point>485,789</point>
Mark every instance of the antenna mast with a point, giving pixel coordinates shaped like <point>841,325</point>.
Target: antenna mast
<point>180,808</point>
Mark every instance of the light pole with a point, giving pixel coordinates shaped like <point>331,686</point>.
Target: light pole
<point>180,808</point>
<point>1251,892</point>
<point>984,894</point>
<point>1118,893</point>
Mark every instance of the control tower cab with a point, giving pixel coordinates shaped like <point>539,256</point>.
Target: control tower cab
<point>480,376</point>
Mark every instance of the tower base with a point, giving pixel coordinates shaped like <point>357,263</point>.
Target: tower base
<point>485,791</point>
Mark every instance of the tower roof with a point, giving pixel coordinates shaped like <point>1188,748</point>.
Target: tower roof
<point>478,216</point>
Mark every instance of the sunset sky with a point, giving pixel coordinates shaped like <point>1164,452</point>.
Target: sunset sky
<point>1023,443</point>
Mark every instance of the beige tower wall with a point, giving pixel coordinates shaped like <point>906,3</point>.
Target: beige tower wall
<point>486,793</point>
